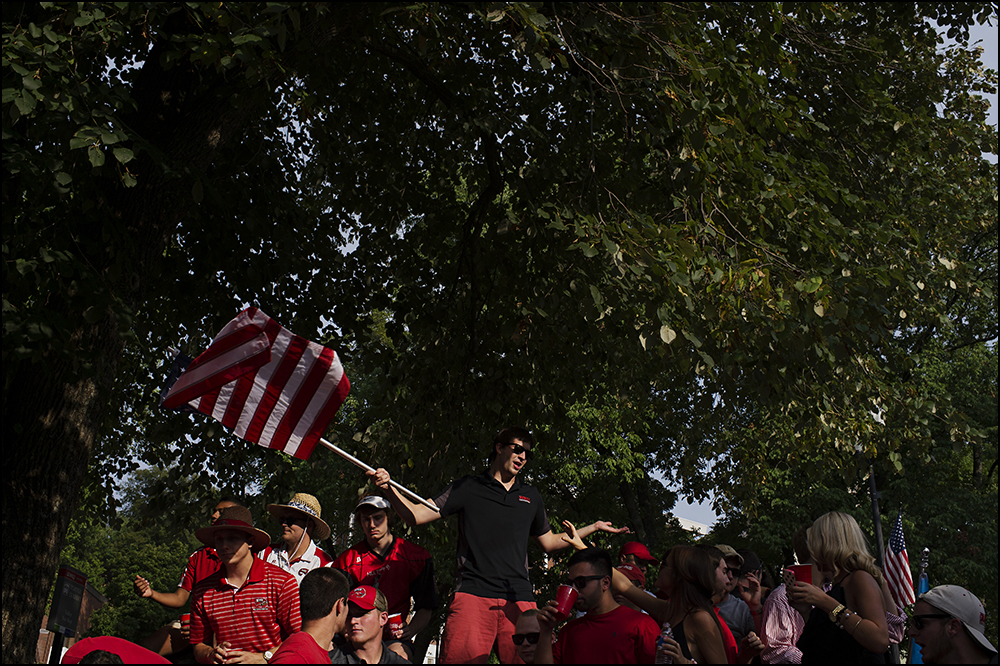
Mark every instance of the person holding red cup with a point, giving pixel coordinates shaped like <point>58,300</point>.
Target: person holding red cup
<point>608,633</point>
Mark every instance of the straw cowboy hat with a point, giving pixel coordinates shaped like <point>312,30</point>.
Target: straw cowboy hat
<point>308,506</point>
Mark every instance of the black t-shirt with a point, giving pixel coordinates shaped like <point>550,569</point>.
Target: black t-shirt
<point>493,529</point>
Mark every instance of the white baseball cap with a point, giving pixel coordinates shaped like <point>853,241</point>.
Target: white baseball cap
<point>963,606</point>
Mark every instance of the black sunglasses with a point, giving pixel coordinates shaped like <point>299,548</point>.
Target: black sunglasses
<point>580,582</point>
<point>518,450</point>
<point>520,638</point>
<point>918,620</point>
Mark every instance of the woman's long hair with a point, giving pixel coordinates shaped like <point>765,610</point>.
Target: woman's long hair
<point>837,543</point>
<point>693,580</point>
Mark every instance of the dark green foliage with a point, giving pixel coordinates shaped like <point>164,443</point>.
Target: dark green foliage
<point>628,227</point>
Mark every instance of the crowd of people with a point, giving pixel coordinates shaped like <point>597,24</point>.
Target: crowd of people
<point>254,601</point>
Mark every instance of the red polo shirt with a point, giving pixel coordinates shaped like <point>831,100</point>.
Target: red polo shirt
<point>259,615</point>
<point>203,563</point>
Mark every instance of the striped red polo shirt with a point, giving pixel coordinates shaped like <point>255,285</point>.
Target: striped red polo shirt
<point>256,617</point>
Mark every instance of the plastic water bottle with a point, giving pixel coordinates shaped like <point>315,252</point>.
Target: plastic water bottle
<point>661,649</point>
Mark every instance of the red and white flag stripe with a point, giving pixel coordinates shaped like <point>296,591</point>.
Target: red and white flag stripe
<point>897,567</point>
<point>268,385</point>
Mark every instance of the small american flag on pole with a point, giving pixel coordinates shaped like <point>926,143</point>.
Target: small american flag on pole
<point>897,567</point>
<point>266,384</point>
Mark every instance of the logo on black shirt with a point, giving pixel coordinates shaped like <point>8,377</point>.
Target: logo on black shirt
<point>524,499</point>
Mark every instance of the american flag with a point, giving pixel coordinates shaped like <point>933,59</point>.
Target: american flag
<point>897,567</point>
<point>269,386</point>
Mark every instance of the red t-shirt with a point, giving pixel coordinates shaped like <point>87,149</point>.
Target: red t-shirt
<point>300,648</point>
<point>255,617</point>
<point>728,642</point>
<point>405,571</point>
<point>623,636</point>
<point>203,563</point>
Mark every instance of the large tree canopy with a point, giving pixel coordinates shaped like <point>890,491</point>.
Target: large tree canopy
<point>622,225</point>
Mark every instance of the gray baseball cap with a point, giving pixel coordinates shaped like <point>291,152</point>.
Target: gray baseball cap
<point>963,606</point>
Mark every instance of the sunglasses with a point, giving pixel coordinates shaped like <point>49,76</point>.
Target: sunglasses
<point>519,639</point>
<point>580,582</point>
<point>292,520</point>
<point>919,620</point>
<point>518,450</point>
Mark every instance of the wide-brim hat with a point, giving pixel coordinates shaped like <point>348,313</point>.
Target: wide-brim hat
<point>964,606</point>
<point>234,518</point>
<point>309,507</point>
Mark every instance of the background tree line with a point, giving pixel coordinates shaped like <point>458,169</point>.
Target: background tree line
<point>663,237</point>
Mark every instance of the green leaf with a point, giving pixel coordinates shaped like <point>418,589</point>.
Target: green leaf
<point>96,156</point>
<point>123,155</point>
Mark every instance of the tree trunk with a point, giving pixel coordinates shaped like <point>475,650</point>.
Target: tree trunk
<point>53,416</point>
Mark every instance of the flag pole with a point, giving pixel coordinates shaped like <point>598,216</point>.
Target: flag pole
<point>368,468</point>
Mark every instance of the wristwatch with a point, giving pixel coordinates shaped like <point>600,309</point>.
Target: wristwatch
<point>268,655</point>
<point>836,612</point>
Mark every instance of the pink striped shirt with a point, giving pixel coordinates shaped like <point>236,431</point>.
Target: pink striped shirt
<point>782,627</point>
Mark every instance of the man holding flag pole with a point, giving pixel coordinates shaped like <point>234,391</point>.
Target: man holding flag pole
<point>497,514</point>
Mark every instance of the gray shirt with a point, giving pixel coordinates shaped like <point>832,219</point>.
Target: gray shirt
<point>737,615</point>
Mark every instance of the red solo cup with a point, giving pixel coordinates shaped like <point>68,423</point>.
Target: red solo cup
<point>802,572</point>
<point>565,598</point>
<point>396,622</point>
<point>185,618</point>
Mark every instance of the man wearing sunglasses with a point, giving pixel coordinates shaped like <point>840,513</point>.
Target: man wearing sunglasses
<point>496,515</point>
<point>526,633</point>
<point>948,623</point>
<point>300,523</point>
<point>608,633</point>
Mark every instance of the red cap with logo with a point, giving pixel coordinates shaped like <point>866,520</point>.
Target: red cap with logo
<point>368,598</point>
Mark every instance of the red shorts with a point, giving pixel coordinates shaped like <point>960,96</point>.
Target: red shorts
<point>472,626</point>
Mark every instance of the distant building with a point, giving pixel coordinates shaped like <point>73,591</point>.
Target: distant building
<point>698,528</point>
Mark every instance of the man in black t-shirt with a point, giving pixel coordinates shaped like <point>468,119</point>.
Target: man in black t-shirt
<point>496,514</point>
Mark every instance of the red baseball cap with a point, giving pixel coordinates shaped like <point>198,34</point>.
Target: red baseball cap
<point>640,552</point>
<point>368,598</point>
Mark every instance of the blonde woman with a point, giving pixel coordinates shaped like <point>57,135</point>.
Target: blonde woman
<point>847,624</point>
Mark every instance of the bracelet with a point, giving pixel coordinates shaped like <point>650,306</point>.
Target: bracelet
<point>834,615</point>
<point>855,627</point>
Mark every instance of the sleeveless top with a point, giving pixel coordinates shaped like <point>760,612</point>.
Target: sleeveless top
<point>823,642</point>
<point>682,640</point>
